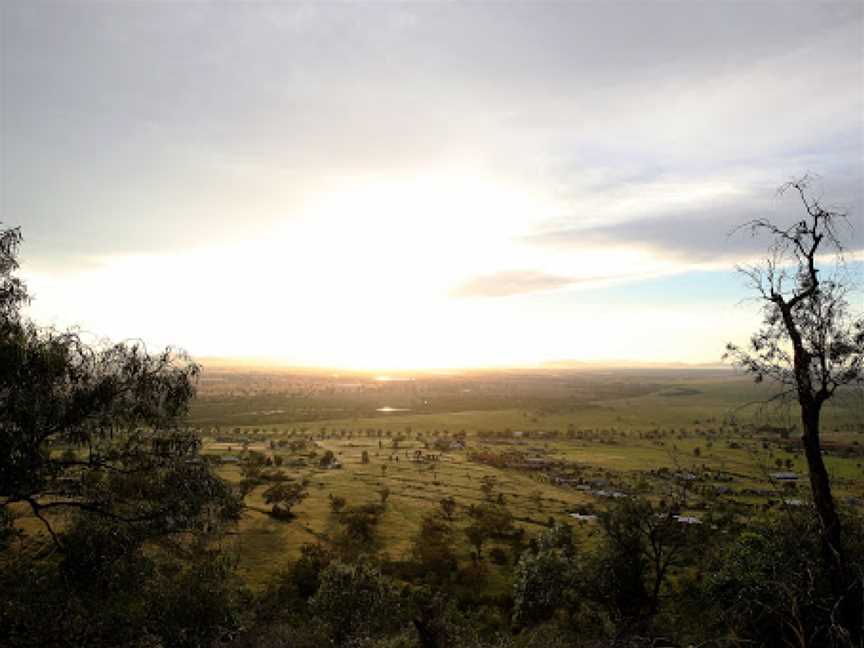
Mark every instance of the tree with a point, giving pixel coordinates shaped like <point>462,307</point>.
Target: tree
<point>13,292</point>
<point>359,524</point>
<point>545,579</point>
<point>488,484</point>
<point>119,406</point>
<point>476,535</point>
<point>496,519</point>
<point>93,444</point>
<point>448,507</point>
<point>357,600</point>
<point>384,494</point>
<point>811,344</point>
<point>337,503</point>
<point>490,521</point>
<point>283,496</point>
<point>251,469</point>
<point>306,572</point>
<point>327,460</point>
<point>766,586</point>
<point>433,547</point>
<point>641,545</point>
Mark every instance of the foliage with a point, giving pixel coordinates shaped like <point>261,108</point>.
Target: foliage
<point>434,547</point>
<point>337,503</point>
<point>328,459</point>
<point>383,494</point>
<point>448,507</point>
<point>357,600</point>
<point>13,291</point>
<point>107,588</point>
<point>546,577</point>
<point>359,528</point>
<point>490,520</point>
<point>641,545</point>
<point>283,496</point>
<point>121,407</point>
<point>771,585</point>
<point>810,339</point>
<point>92,444</point>
<point>488,483</point>
<point>289,591</point>
<point>811,343</point>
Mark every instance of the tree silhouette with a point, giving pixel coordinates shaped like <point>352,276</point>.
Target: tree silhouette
<point>119,406</point>
<point>811,343</point>
<point>94,446</point>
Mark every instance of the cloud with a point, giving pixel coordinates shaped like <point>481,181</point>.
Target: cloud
<point>711,231</point>
<point>514,282</point>
<point>129,128</point>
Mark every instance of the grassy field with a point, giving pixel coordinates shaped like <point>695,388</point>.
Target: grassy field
<point>549,441</point>
<point>636,444</point>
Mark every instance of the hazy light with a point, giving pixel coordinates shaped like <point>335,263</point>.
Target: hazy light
<point>392,186</point>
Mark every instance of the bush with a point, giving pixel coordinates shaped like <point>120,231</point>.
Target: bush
<point>357,600</point>
<point>498,556</point>
<point>772,580</point>
<point>433,547</point>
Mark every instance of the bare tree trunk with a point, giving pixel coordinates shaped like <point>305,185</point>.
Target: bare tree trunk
<point>819,481</point>
<point>845,586</point>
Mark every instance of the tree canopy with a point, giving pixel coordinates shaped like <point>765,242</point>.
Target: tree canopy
<point>93,445</point>
<point>811,343</point>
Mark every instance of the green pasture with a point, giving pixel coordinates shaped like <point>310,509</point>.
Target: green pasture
<point>635,443</point>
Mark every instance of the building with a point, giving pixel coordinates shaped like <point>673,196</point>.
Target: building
<point>783,476</point>
<point>687,519</point>
<point>583,517</point>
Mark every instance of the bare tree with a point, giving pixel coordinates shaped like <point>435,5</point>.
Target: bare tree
<point>811,343</point>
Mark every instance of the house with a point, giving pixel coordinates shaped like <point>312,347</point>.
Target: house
<point>687,519</point>
<point>608,493</point>
<point>783,476</point>
<point>565,481</point>
<point>583,517</point>
<point>537,461</point>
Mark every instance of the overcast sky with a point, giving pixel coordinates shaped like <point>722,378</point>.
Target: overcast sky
<point>436,184</point>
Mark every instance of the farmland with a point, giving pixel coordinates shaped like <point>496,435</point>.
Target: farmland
<point>546,443</point>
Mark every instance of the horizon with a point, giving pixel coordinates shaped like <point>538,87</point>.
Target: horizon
<point>383,373</point>
<point>397,187</point>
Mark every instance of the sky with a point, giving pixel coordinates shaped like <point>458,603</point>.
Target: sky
<point>417,185</point>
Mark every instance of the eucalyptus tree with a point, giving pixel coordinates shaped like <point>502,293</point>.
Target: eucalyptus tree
<point>811,344</point>
<point>93,447</point>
